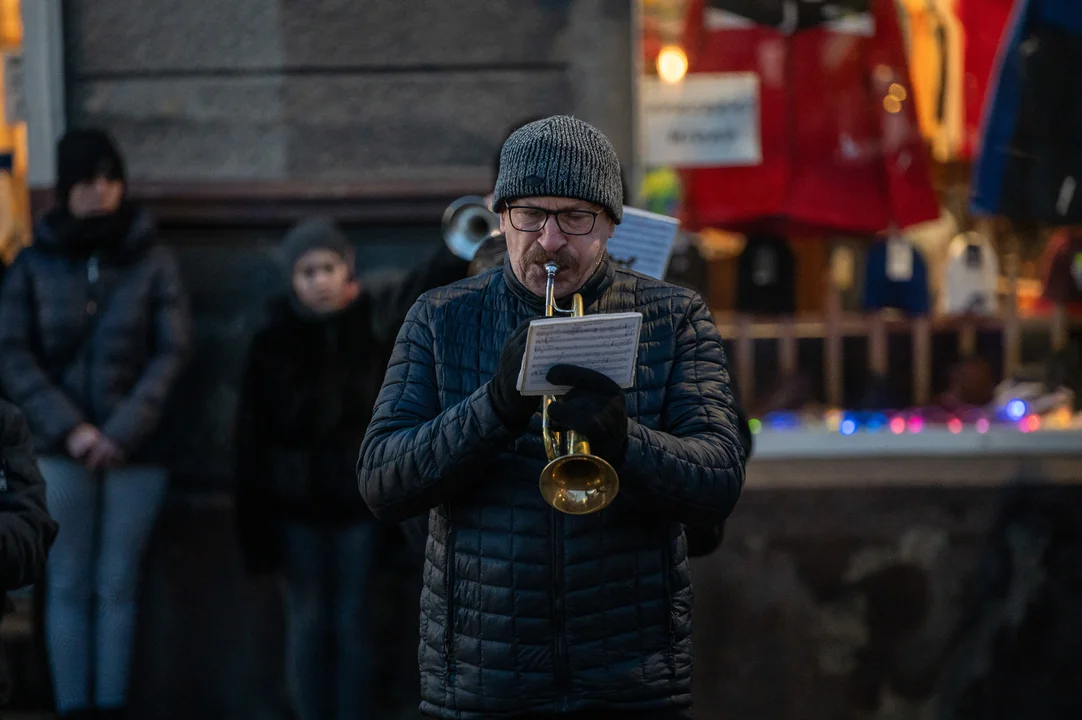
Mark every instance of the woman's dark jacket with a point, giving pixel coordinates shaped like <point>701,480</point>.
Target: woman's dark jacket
<point>94,328</point>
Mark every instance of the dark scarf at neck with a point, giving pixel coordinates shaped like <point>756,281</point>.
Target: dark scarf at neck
<point>100,233</point>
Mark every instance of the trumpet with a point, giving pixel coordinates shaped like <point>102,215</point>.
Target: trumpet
<point>467,223</point>
<point>574,481</point>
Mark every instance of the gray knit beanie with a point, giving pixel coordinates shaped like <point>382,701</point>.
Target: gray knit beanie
<point>560,156</point>
<point>316,233</point>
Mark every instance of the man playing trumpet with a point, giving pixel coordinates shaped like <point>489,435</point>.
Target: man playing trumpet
<point>527,611</point>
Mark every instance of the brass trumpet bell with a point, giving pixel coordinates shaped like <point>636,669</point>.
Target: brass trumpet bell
<point>579,484</point>
<point>467,223</point>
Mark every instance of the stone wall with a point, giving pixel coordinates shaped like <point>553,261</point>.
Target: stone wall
<point>331,91</point>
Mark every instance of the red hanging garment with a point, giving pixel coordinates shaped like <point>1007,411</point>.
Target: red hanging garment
<point>841,149</point>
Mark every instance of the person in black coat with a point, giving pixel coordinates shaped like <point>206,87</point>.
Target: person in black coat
<point>27,531</point>
<point>306,399</point>
<point>94,333</point>
<point>527,611</point>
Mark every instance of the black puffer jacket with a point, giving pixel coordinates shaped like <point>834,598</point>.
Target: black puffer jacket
<point>27,531</point>
<point>524,608</point>
<point>93,334</point>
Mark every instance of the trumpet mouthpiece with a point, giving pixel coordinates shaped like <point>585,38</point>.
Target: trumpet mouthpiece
<point>551,268</point>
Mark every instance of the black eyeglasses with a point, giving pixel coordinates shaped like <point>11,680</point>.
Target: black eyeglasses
<point>532,219</point>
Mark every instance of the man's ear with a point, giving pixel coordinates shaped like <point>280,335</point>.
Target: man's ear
<point>503,224</point>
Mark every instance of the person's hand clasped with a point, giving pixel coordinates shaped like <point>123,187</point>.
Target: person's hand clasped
<point>513,408</point>
<point>104,454</point>
<point>594,406</point>
<point>81,440</point>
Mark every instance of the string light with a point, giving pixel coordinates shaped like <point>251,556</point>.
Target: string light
<point>848,426</point>
<point>755,425</point>
<point>1017,409</point>
<point>955,425</point>
<point>916,424</point>
<point>897,425</point>
<point>982,425</point>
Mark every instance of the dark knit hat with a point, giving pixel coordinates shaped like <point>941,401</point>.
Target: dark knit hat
<point>85,154</point>
<point>316,233</point>
<point>560,156</point>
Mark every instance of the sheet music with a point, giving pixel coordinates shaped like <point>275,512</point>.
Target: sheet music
<point>607,343</point>
<point>643,241</point>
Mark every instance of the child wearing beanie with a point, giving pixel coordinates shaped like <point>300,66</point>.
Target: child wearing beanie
<point>312,376</point>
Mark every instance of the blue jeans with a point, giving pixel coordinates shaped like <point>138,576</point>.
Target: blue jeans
<point>93,575</point>
<point>328,629</point>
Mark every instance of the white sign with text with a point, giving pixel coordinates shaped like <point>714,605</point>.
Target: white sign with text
<point>705,120</point>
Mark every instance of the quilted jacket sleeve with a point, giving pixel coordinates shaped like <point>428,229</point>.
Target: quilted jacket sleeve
<point>26,529</point>
<point>51,413</point>
<point>416,455</point>
<point>693,468</point>
<point>140,413</point>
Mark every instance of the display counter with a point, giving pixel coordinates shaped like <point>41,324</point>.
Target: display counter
<point>932,458</point>
<point>937,442</point>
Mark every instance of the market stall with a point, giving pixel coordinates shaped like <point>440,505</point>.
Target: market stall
<point>884,197</point>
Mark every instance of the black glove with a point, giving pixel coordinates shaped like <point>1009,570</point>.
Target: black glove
<point>513,409</point>
<point>594,406</point>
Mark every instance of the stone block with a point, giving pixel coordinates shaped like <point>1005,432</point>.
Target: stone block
<point>190,128</point>
<point>316,127</point>
<point>144,36</point>
<point>392,33</point>
<point>431,125</point>
<point>133,37</point>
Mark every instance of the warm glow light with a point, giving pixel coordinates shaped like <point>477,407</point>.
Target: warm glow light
<point>892,104</point>
<point>1030,424</point>
<point>897,92</point>
<point>833,420</point>
<point>672,64</point>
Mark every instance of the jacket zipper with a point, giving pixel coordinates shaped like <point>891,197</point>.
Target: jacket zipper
<point>449,594</point>
<point>93,275</point>
<point>563,672</point>
<point>666,584</point>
